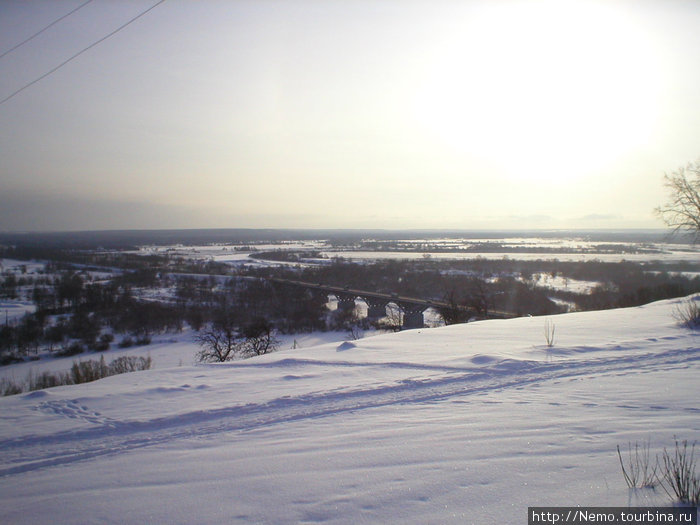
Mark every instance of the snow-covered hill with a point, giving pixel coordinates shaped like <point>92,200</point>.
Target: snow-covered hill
<point>462,424</point>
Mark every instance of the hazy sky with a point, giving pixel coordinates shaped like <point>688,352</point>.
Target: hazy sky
<point>346,113</point>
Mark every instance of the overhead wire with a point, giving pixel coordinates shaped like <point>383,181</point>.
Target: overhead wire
<point>45,28</point>
<point>76,55</point>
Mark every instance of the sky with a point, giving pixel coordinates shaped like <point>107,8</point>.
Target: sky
<point>469,114</point>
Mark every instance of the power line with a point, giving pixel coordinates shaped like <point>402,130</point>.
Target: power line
<point>59,66</point>
<point>45,28</point>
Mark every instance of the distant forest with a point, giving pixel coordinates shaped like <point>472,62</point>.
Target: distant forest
<point>94,300</point>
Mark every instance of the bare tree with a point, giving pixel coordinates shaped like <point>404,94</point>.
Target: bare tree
<point>222,342</point>
<point>682,211</point>
<point>394,318</point>
<point>219,341</point>
<point>475,300</point>
<point>260,338</point>
<point>455,311</point>
<point>479,296</point>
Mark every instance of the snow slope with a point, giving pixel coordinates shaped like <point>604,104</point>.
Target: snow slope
<point>461,424</point>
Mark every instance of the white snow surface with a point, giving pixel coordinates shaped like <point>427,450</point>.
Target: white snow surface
<point>461,424</point>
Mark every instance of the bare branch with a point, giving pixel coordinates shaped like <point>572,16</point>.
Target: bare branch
<point>682,211</point>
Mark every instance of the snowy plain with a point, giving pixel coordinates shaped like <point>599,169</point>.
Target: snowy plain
<point>468,423</point>
<point>565,249</point>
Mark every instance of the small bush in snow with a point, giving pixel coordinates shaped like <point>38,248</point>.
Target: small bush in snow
<point>127,342</point>
<point>45,380</point>
<point>74,348</point>
<point>87,371</point>
<point>98,346</point>
<point>678,475</point>
<point>637,470</point>
<point>102,344</point>
<point>143,340</point>
<point>675,472</point>
<point>549,330</point>
<point>125,364</point>
<point>355,333</point>
<point>687,312</point>
<point>9,388</point>
<point>80,372</point>
<point>9,359</point>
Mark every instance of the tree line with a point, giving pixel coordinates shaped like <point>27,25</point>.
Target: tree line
<point>135,297</point>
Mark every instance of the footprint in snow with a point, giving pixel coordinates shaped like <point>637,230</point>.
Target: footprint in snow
<point>73,410</point>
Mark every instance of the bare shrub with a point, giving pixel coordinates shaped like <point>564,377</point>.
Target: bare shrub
<point>143,340</point>
<point>45,380</point>
<point>678,473</point>
<point>549,329</point>
<point>87,371</point>
<point>9,388</point>
<point>102,344</point>
<point>687,312</point>
<point>637,470</point>
<point>80,372</point>
<point>125,364</point>
<point>355,333</point>
<point>71,349</point>
<point>127,342</point>
<point>675,472</point>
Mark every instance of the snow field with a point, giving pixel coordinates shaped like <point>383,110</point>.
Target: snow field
<point>462,424</point>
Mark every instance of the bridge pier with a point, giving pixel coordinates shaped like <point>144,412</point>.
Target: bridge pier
<point>346,302</point>
<point>412,316</point>
<point>413,320</point>
<point>376,311</point>
<point>376,308</point>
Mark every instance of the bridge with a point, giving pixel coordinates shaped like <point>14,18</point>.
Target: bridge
<point>411,307</point>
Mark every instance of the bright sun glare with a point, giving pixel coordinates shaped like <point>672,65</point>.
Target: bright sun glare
<point>547,91</point>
